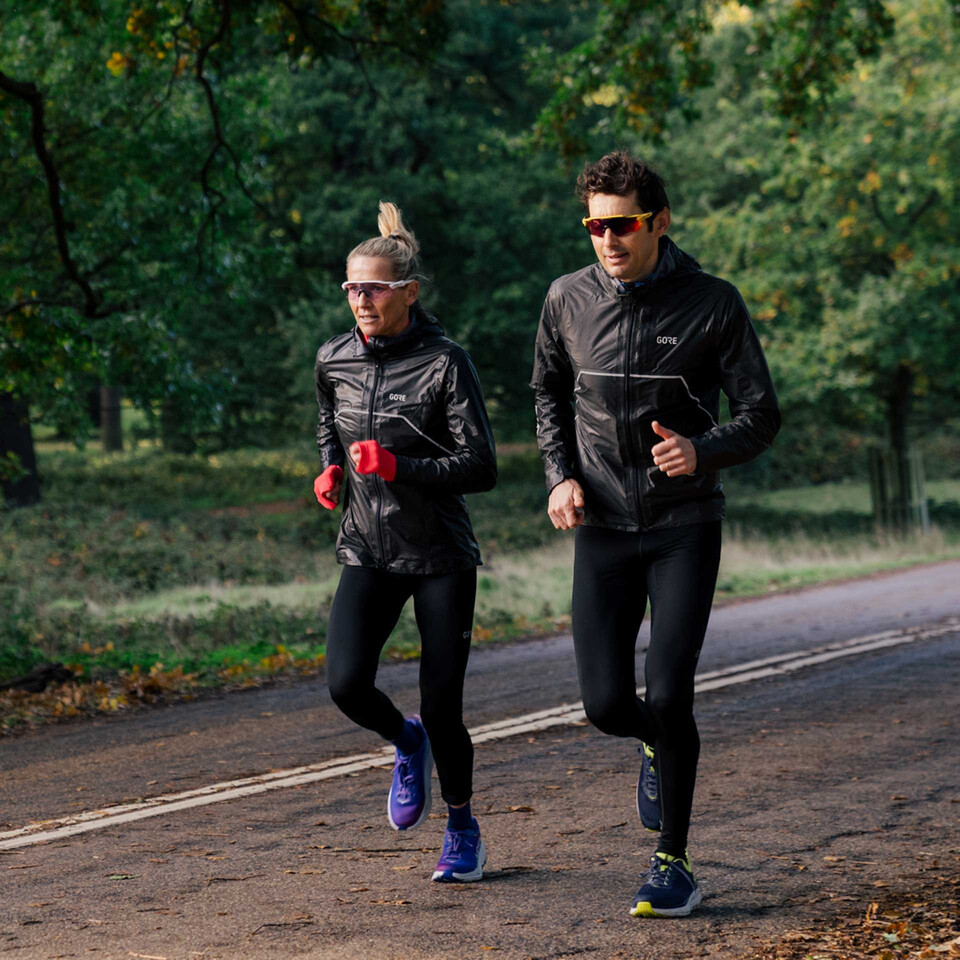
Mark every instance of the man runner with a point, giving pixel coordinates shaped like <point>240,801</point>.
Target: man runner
<point>631,356</point>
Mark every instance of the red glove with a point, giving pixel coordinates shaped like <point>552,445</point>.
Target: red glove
<point>370,457</point>
<point>330,478</point>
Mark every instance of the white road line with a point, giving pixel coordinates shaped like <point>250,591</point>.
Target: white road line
<point>562,715</point>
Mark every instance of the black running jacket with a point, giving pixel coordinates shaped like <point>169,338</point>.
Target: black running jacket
<point>418,395</point>
<point>609,362</point>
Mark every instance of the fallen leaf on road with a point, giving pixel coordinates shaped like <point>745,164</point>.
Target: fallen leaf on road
<point>283,923</point>
<point>146,956</point>
<point>231,879</point>
<point>123,876</point>
<point>521,810</point>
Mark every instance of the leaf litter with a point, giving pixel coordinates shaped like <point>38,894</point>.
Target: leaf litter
<point>917,919</point>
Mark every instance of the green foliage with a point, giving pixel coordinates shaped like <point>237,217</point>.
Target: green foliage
<point>842,243</point>
<point>219,160</point>
<point>644,61</point>
<point>223,159</point>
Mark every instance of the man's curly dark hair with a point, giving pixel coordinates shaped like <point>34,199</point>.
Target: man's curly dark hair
<point>621,174</point>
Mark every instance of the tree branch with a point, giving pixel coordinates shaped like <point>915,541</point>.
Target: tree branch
<point>879,213</point>
<point>931,199</point>
<point>220,141</point>
<point>29,93</point>
<point>36,302</point>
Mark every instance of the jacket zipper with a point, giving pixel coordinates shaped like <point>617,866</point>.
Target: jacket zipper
<point>376,477</point>
<point>628,353</point>
<point>634,468</point>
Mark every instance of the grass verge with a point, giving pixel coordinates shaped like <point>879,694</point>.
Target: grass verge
<point>152,575</point>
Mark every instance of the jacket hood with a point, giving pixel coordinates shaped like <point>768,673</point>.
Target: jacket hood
<point>673,262</point>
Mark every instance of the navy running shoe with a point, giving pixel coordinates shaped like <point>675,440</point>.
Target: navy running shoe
<point>408,804</point>
<point>669,889</point>
<point>648,790</point>
<point>464,857</point>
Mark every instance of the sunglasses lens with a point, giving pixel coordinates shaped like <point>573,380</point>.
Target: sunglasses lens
<point>622,225</point>
<point>375,291</point>
<point>618,225</point>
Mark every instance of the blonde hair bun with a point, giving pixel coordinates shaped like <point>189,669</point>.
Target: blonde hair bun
<point>396,243</point>
<point>390,222</point>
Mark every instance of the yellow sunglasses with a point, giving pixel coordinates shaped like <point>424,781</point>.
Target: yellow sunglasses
<point>620,225</point>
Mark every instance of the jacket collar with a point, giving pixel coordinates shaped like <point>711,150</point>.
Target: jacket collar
<point>422,326</point>
<point>671,262</point>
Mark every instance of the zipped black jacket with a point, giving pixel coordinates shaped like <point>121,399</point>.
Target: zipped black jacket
<point>608,362</point>
<point>418,395</point>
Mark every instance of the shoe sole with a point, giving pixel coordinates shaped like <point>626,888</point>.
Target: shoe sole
<point>441,876</point>
<point>427,794</point>
<point>646,909</point>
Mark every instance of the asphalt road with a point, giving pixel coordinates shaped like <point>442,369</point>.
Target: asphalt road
<point>816,789</point>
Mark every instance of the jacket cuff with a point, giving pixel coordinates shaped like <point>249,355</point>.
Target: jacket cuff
<point>556,472</point>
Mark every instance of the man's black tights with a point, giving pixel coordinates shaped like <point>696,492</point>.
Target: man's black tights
<point>614,573</point>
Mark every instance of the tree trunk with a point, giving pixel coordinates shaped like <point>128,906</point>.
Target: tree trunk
<point>898,416</point>
<point>18,462</point>
<point>93,406</point>
<point>111,431</point>
<point>173,435</point>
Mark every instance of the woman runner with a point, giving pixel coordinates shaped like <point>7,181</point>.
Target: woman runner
<point>404,401</point>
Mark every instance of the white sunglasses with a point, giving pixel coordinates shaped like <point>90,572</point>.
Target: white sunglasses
<point>374,289</point>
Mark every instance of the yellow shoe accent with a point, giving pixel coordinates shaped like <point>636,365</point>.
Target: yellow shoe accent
<point>683,861</point>
<point>642,910</point>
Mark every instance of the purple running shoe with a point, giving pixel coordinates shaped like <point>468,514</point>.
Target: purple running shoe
<point>464,857</point>
<point>408,804</point>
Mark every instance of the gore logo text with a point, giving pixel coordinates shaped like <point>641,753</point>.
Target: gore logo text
<point>398,396</point>
<point>672,340</point>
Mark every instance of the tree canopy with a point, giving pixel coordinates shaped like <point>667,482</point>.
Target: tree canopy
<point>182,180</point>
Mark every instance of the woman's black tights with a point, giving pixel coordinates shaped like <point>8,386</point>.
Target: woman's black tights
<point>365,610</point>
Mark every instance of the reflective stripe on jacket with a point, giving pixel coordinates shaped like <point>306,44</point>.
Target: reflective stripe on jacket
<point>610,361</point>
<point>418,395</point>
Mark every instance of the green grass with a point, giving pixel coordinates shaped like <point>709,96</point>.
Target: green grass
<point>223,568</point>
<point>828,498</point>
